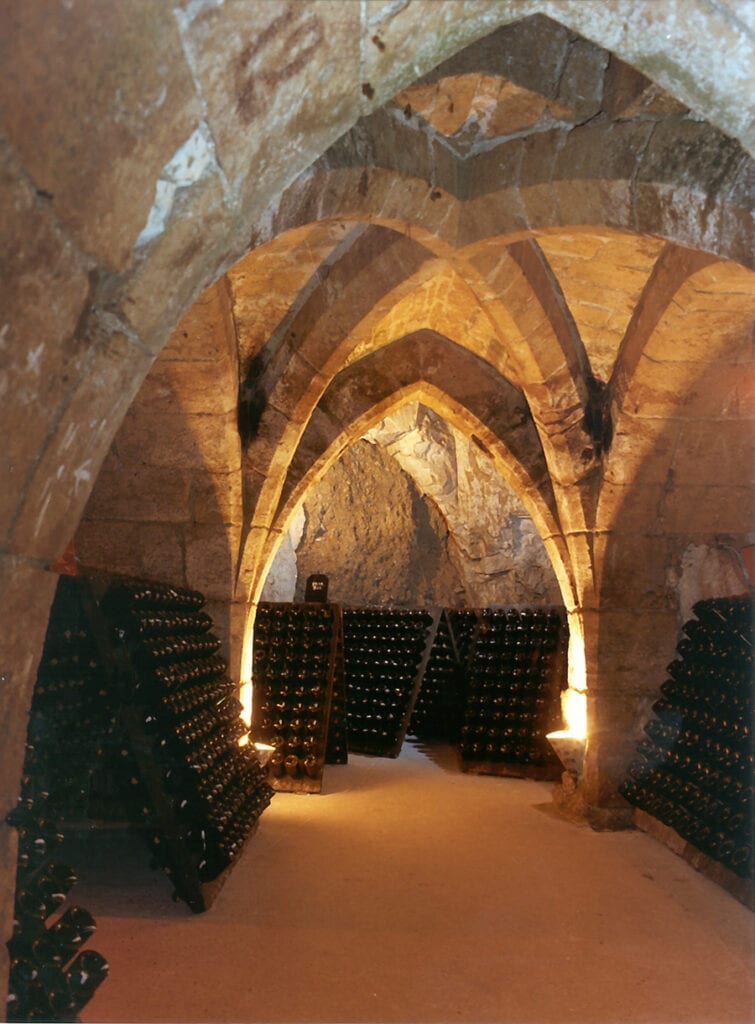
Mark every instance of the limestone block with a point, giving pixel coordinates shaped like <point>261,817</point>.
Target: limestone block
<point>201,441</point>
<point>641,451</point>
<point>539,203</point>
<point>211,557</point>
<point>673,390</point>
<point>508,51</point>
<point>492,214</point>
<point>65,472</point>
<point>692,155</point>
<point>262,448</point>
<point>632,569</point>
<point>686,172</point>
<point>279,82</point>
<point>607,151</point>
<point>161,552</point>
<point>539,159</point>
<point>737,230</point>
<point>679,214</point>
<point>398,48</point>
<point>215,497</point>
<point>110,72</point>
<point>298,390</point>
<point>192,387</point>
<point>580,86</point>
<point>413,154</point>
<point>628,93</point>
<point>602,277</point>
<point>139,493</point>
<point>629,508</point>
<point>592,201</point>
<point>26,593</point>
<point>146,550</point>
<point>264,284</point>
<point>721,452</point>
<point>186,254</point>
<point>205,331</point>
<point>493,170</point>
<point>109,547</point>
<point>635,645</point>
<point>709,509</point>
<point>321,432</point>
<point>43,294</point>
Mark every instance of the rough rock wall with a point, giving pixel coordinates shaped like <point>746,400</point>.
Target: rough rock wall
<point>415,514</point>
<point>498,551</point>
<point>377,538</point>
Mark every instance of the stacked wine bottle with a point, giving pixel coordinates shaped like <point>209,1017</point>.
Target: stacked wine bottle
<point>197,791</point>
<point>385,653</point>
<point>515,673</point>
<point>295,648</point>
<point>51,976</point>
<point>73,712</point>
<point>438,709</point>
<point>694,769</point>
<point>337,751</point>
<point>462,624</point>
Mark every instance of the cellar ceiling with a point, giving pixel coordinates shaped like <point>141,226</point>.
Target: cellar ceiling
<point>533,240</point>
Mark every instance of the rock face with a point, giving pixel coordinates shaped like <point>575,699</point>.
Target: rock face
<point>379,540</point>
<point>497,551</point>
<point>415,514</point>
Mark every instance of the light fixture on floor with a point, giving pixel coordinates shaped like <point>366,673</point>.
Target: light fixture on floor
<point>264,752</point>
<point>569,743</point>
<point>570,750</point>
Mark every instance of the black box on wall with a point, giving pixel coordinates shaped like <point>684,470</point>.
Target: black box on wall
<point>317,588</point>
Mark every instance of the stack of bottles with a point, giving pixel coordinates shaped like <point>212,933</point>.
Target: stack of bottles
<point>70,719</point>
<point>338,730</point>
<point>198,792</point>
<point>437,712</point>
<point>515,674</point>
<point>72,715</point>
<point>694,768</point>
<point>294,663</point>
<point>462,623</point>
<point>385,651</point>
<point>52,977</point>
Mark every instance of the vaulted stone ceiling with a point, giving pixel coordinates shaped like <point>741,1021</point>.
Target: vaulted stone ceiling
<point>546,250</point>
<point>458,245</point>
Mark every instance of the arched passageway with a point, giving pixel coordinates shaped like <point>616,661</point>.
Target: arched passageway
<point>580,237</point>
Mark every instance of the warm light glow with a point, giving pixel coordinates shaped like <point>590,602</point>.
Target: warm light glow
<point>245,696</point>
<point>570,750</point>
<point>574,710</point>
<point>574,698</point>
<point>264,752</point>
<point>247,651</point>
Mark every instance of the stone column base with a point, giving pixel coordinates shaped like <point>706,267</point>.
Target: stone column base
<point>571,804</point>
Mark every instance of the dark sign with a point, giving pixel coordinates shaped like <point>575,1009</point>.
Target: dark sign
<point>317,588</point>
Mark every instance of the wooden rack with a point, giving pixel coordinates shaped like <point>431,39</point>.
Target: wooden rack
<point>691,781</point>
<point>298,691</point>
